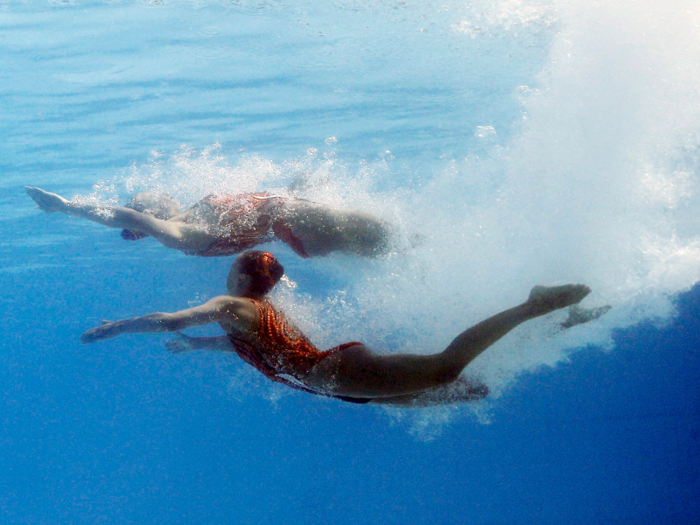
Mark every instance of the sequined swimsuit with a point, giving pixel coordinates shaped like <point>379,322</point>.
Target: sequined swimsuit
<point>281,352</point>
<point>246,220</point>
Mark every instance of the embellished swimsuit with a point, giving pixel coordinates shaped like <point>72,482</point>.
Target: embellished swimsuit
<point>281,352</point>
<point>246,220</point>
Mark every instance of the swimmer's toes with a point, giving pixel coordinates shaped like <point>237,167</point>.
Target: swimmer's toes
<point>32,192</point>
<point>40,197</point>
<point>577,293</point>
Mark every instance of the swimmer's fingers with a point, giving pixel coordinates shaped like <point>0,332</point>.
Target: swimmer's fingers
<point>46,202</point>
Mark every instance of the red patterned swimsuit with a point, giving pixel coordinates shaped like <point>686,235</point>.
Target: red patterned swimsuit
<point>246,220</point>
<point>281,352</point>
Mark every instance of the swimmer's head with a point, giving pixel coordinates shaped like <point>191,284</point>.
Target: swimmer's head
<point>159,206</point>
<point>254,274</point>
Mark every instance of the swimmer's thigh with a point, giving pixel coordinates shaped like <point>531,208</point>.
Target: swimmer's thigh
<point>358,371</point>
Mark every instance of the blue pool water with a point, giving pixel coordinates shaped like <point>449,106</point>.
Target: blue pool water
<point>511,142</point>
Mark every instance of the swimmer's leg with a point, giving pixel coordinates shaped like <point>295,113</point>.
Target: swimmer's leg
<point>359,372</point>
<point>167,233</point>
<point>542,300</point>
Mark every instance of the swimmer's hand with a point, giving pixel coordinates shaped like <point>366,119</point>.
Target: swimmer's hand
<point>181,344</point>
<point>47,202</point>
<point>107,330</point>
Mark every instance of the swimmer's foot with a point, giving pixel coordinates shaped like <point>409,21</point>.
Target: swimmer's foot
<point>46,201</point>
<point>578,315</point>
<point>545,299</point>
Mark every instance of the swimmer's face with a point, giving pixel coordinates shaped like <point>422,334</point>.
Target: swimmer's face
<point>159,206</point>
<point>237,283</point>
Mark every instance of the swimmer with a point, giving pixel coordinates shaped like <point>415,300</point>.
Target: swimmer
<point>224,224</point>
<point>263,337</point>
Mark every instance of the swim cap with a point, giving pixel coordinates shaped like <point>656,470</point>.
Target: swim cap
<point>263,268</point>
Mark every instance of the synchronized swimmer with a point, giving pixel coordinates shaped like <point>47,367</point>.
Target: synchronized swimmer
<point>223,224</point>
<point>263,337</point>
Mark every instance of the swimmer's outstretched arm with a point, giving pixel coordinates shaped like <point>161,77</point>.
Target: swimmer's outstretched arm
<point>223,309</point>
<point>168,233</point>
